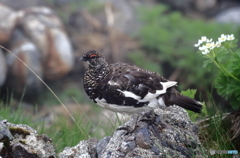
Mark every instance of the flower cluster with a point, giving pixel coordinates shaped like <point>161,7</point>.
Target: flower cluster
<point>206,45</point>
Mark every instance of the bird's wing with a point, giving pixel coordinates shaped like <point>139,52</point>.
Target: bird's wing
<point>130,85</point>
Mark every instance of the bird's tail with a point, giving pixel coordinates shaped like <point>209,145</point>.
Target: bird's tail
<point>174,97</point>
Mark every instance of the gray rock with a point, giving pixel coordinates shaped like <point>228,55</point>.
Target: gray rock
<point>20,78</point>
<point>9,19</point>
<point>23,141</point>
<point>101,145</point>
<point>5,135</point>
<point>229,16</point>
<point>205,5</point>
<point>40,43</point>
<point>20,4</point>
<point>3,68</point>
<point>92,144</point>
<point>121,16</point>
<point>171,134</point>
<point>46,31</point>
<point>182,5</point>
<point>80,150</point>
<point>127,12</point>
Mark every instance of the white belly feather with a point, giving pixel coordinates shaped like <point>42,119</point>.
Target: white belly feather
<point>122,108</point>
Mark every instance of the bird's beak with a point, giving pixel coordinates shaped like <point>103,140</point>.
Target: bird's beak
<point>82,59</point>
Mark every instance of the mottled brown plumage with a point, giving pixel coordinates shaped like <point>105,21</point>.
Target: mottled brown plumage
<point>126,88</point>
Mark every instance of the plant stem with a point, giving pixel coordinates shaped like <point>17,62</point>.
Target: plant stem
<point>224,70</point>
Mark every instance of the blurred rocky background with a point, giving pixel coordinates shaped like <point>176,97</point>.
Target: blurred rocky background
<point>50,36</point>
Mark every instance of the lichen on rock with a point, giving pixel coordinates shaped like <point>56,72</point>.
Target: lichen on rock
<point>170,134</point>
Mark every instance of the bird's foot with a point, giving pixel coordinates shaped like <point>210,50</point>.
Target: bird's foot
<point>131,125</point>
<point>127,128</point>
<point>147,116</point>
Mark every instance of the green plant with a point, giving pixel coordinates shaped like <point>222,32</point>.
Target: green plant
<point>144,61</point>
<point>66,95</point>
<point>64,11</point>
<point>166,37</point>
<point>225,55</point>
<point>65,133</point>
<point>17,117</point>
<point>195,116</point>
<point>214,135</point>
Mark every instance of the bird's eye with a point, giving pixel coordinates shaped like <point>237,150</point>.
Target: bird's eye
<point>93,56</point>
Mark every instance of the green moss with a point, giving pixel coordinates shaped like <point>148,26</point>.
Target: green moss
<point>18,130</point>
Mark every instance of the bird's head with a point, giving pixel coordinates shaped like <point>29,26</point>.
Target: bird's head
<point>94,58</point>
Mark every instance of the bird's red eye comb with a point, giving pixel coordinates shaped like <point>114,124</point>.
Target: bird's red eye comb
<point>94,55</point>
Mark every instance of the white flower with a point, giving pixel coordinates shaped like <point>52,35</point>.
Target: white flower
<point>209,40</point>
<point>205,51</point>
<point>217,44</point>
<point>202,48</point>
<point>230,37</point>
<point>198,44</point>
<point>222,38</point>
<point>200,41</point>
<point>206,46</point>
<point>203,39</point>
<point>212,45</point>
<point>209,45</point>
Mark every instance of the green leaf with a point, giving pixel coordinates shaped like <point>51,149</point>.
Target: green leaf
<point>238,53</point>
<point>235,103</point>
<point>228,88</point>
<point>172,46</point>
<point>207,62</point>
<point>189,93</point>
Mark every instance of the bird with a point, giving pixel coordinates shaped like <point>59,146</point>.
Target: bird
<point>129,89</point>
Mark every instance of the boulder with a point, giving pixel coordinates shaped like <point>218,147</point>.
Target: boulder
<point>37,40</point>
<point>230,16</point>
<point>3,68</point>
<point>20,77</point>
<point>46,30</point>
<point>205,5</point>
<point>19,141</point>
<point>8,18</point>
<point>170,134</point>
<point>20,4</point>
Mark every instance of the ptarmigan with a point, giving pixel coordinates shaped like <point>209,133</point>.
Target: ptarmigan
<point>129,89</point>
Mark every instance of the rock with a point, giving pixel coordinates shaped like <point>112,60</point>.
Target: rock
<point>230,16</point>
<point>36,22</point>
<point>8,18</point>
<point>20,4</point>
<point>46,30</point>
<point>20,77</point>
<point>40,41</point>
<point>171,134</point>
<point>101,145</point>
<point>80,150</point>
<point>23,141</point>
<point>5,135</point>
<point>205,5</point>
<point>92,144</point>
<point>60,58</point>
<point>3,68</point>
<point>181,5</point>
<point>124,14</point>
